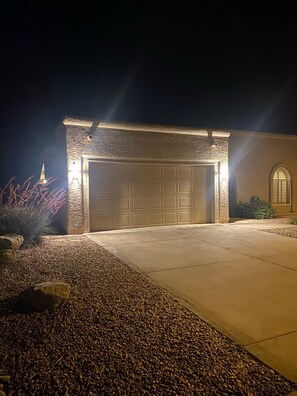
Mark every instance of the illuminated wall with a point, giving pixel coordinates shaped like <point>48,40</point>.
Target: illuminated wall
<point>253,157</point>
<point>86,140</point>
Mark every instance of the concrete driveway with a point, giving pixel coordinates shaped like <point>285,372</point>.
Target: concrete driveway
<point>240,280</point>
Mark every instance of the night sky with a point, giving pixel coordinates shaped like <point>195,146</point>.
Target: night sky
<point>224,66</point>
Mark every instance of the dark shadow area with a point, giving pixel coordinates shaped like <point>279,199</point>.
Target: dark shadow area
<point>59,221</point>
<point>7,306</point>
<point>233,207</point>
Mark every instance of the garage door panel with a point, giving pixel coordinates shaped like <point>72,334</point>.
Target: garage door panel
<point>124,195</point>
<point>139,203</point>
<point>122,204</point>
<point>123,220</point>
<point>184,202</point>
<point>156,218</point>
<point>139,172</point>
<point>121,172</point>
<point>199,204</point>
<point>169,171</point>
<point>105,172</point>
<point>199,187</point>
<point>185,217</point>
<point>199,172</point>
<point>155,188</point>
<point>185,186</point>
<point>200,215</point>
<point>170,187</point>
<point>185,172</point>
<point>103,188</point>
<point>103,221</point>
<point>139,220</point>
<point>104,204</point>
<point>140,188</point>
<point>170,202</point>
<point>155,202</point>
<point>120,187</point>
<point>155,171</point>
<point>171,218</point>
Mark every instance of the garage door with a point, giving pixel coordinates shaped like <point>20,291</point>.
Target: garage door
<point>127,195</point>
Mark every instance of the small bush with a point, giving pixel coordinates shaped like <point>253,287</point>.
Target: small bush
<point>293,220</point>
<point>256,208</point>
<point>25,221</point>
<point>28,209</point>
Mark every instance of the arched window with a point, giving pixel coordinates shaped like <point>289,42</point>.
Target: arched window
<point>281,187</point>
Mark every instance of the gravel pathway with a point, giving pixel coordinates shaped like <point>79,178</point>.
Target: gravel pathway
<point>118,335</point>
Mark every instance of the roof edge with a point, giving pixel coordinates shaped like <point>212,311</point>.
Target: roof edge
<point>260,134</point>
<point>137,127</point>
<point>142,127</point>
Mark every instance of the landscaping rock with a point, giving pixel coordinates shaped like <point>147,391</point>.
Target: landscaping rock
<point>7,256</point>
<point>4,378</point>
<point>43,296</point>
<point>13,242</point>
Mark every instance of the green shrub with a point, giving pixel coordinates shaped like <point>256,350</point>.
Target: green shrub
<point>256,208</point>
<point>25,221</point>
<point>293,220</point>
<point>27,209</point>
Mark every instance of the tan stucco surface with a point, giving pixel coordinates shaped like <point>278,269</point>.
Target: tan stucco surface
<point>86,141</point>
<point>252,158</point>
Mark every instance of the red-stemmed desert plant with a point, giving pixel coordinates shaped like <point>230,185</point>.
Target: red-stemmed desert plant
<point>27,208</point>
<point>30,194</point>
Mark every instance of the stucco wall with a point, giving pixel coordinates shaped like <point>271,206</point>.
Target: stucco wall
<point>142,143</point>
<point>252,158</point>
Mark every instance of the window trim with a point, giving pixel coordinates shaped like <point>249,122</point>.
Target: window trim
<point>288,182</point>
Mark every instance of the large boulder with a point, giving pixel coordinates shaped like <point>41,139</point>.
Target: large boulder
<point>12,242</point>
<point>7,256</point>
<point>43,296</point>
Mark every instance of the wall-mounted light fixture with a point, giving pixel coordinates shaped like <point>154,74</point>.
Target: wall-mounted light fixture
<point>74,170</point>
<point>224,173</point>
<point>211,140</point>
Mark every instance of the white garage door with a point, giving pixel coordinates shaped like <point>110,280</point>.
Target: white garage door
<point>127,195</point>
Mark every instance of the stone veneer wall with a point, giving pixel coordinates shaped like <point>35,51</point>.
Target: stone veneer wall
<point>137,143</point>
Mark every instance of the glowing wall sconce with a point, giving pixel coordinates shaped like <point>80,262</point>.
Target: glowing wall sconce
<point>74,171</point>
<point>224,173</point>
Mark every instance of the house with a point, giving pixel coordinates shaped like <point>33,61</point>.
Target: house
<point>123,175</point>
<point>263,164</point>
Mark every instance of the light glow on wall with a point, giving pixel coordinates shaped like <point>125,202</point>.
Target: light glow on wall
<point>224,173</point>
<point>74,171</point>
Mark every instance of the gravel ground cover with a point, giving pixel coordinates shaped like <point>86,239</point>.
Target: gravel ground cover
<point>119,334</point>
<point>288,232</point>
